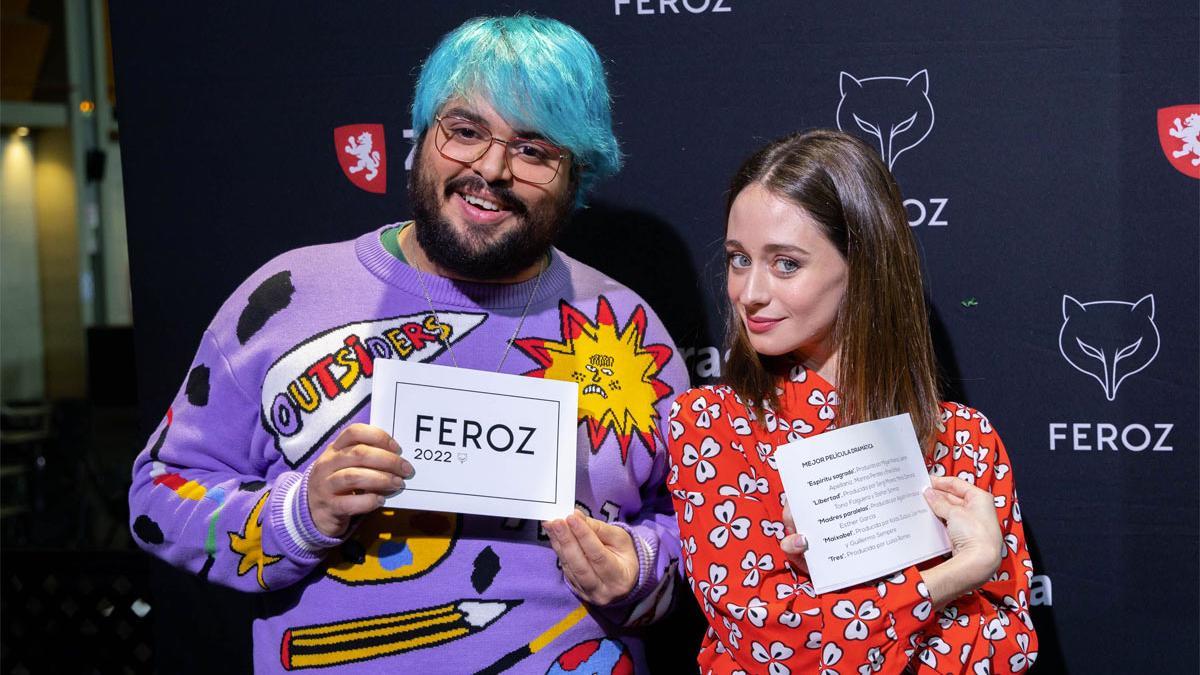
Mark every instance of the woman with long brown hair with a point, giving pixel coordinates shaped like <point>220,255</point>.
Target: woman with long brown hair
<point>828,327</point>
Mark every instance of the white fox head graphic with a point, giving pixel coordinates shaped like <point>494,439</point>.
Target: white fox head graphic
<point>892,113</point>
<point>1108,339</point>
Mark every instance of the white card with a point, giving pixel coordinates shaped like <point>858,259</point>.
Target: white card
<point>484,443</point>
<point>856,496</point>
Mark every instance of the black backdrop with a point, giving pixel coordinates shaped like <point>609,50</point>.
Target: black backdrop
<point>1041,177</point>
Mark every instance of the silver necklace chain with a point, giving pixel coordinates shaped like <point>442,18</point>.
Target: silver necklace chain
<point>429,300</point>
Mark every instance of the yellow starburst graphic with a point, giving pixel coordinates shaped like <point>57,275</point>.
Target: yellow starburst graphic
<point>248,544</point>
<point>617,374</point>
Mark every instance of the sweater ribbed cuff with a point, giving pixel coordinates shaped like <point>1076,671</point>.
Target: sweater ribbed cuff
<point>647,554</point>
<point>293,521</point>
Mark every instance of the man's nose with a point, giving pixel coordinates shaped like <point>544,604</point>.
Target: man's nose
<point>493,165</point>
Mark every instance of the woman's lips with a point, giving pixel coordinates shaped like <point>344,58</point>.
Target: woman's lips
<point>760,325</point>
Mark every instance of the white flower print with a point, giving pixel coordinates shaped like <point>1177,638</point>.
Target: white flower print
<point>1011,543</point>
<point>874,662</point>
<point>785,591</point>
<point>709,448</point>
<point>773,528</point>
<point>771,657</point>
<point>798,374</point>
<point>741,427</point>
<point>734,631</point>
<point>708,413</point>
<point>1000,501</point>
<point>928,656</point>
<point>826,401</point>
<point>962,444</point>
<point>738,527</point>
<point>764,451</point>
<point>1001,471</point>
<point>829,657</point>
<point>922,610</point>
<point>712,588</point>
<point>748,484</point>
<point>983,667</point>
<point>753,564</point>
<point>814,640</point>
<point>856,629</point>
<point>675,408</point>
<point>793,619</point>
<point>950,616</point>
<point>1019,662</point>
<point>673,477</point>
<point>754,611</point>
<point>690,500</point>
<point>994,630</point>
<point>799,428</point>
<point>676,429</point>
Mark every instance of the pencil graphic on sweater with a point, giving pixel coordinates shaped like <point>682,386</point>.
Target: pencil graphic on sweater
<point>343,642</point>
<point>535,645</point>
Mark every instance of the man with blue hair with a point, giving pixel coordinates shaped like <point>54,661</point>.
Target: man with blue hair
<point>264,476</point>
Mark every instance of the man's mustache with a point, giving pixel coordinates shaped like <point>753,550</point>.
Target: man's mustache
<point>477,184</point>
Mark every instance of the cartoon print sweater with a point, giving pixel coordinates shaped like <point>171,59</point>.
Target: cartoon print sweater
<point>763,615</point>
<point>221,488</point>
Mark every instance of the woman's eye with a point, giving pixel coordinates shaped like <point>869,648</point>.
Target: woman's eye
<point>786,265</point>
<point>739,260</point>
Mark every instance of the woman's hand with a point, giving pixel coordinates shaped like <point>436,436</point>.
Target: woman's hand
<point>793,544</point>
<point>354,475</point>
<point>598,560</point>
<point>975,538</point>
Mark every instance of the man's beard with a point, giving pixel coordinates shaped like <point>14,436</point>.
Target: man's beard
<point>513,252</point>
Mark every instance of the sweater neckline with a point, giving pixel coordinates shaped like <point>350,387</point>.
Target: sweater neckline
<point>453,292</point>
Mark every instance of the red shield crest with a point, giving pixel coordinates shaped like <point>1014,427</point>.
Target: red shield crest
<point>1179,136</point>
<point>362,153</point>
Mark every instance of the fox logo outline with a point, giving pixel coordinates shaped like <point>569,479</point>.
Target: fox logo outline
<point>1100,338</point>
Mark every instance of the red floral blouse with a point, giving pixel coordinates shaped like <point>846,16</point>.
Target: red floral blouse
<point>763,616</point>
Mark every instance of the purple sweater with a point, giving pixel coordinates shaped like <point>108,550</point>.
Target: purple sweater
<point>221,487</point>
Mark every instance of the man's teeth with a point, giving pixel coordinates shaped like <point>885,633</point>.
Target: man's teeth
<point>481,203</point>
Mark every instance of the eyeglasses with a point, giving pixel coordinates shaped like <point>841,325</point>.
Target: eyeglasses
<point>529,160</point>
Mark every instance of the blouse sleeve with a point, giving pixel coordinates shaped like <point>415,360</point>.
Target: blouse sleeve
<point>759,609</point>
<point>988,630</point>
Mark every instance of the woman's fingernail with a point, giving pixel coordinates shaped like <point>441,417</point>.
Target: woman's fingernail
<point>397,481</point>
<point>394,446</point>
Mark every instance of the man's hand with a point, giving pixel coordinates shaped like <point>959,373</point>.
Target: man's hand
<point>598,560</point>
<point>354,475</point>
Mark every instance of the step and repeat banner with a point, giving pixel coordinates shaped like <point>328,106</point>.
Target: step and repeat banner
<point>1049,157</point>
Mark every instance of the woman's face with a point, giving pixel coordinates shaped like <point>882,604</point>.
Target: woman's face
<point>787,280</point>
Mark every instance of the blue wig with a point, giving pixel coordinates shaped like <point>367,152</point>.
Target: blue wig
<point>538,74</point>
